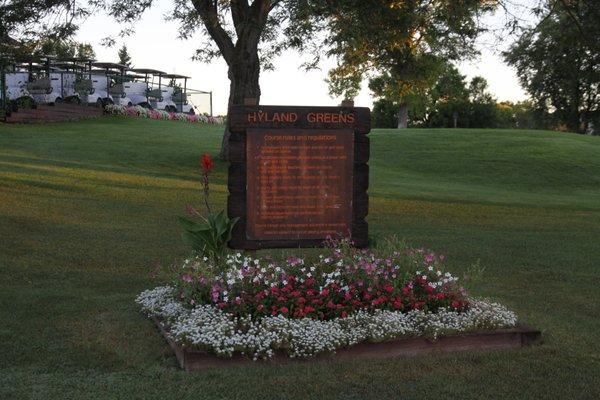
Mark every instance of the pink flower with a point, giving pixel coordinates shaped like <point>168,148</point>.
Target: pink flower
<point>191,211</point>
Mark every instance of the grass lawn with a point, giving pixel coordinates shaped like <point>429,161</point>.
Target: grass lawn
<point>88,209</point>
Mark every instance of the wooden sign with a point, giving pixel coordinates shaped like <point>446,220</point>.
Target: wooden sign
<point>298,175</point>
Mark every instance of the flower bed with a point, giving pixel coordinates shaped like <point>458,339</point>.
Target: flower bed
<point>261,306</point>
<point>141,112</point>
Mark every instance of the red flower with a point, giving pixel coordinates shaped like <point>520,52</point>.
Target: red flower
<point>284,310</point>
<point>344,314</point>
<point>260,307</point>
<point>207,163</point>
<point>455,304</point>
<point>190,210</point>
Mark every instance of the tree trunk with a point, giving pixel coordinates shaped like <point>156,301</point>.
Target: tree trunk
<point>403,116</point>
<point>244,72</point>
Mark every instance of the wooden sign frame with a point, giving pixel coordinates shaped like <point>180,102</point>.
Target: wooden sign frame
<point>294,118</point>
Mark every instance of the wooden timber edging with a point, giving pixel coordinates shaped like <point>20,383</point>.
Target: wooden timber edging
<point>500,339</point>
<point>56,113</point>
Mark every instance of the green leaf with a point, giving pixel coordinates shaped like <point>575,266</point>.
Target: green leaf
<point>190,225</point>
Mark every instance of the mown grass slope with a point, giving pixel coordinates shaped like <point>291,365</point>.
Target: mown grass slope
<point>88,209</point>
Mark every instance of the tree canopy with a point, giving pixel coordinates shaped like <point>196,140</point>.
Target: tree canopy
<point>558,62</point>
<point>400,45</point>
<point>26,23</point>
<point>124,56</point>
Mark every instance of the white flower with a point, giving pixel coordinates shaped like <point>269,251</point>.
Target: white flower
<point>206,327</point>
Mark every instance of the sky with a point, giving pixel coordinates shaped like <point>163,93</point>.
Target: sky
<point>155,45</point>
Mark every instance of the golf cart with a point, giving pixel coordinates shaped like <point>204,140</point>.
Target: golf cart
<point>117,82</point>
<point>13,85</point>
<point>178,101</point>
<point>155,96</point>
<point>91,84</point>
<point>49,84</point>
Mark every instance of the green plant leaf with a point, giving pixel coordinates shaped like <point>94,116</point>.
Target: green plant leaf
<point>190,225</point>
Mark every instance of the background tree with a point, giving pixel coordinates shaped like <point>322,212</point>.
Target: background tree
<point>62,48</point>
<point>124,56</point>
<point>398,43</point>
<point>558,62</point>
<point>449,100</point>
<point>418,75</point>
<point>384,114</point>
<point>85,50</point>
<point>483,110</point>
<point>26,23</point>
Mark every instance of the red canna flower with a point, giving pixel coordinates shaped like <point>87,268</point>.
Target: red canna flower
<point>207,163</point>
<point>190,210</point>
